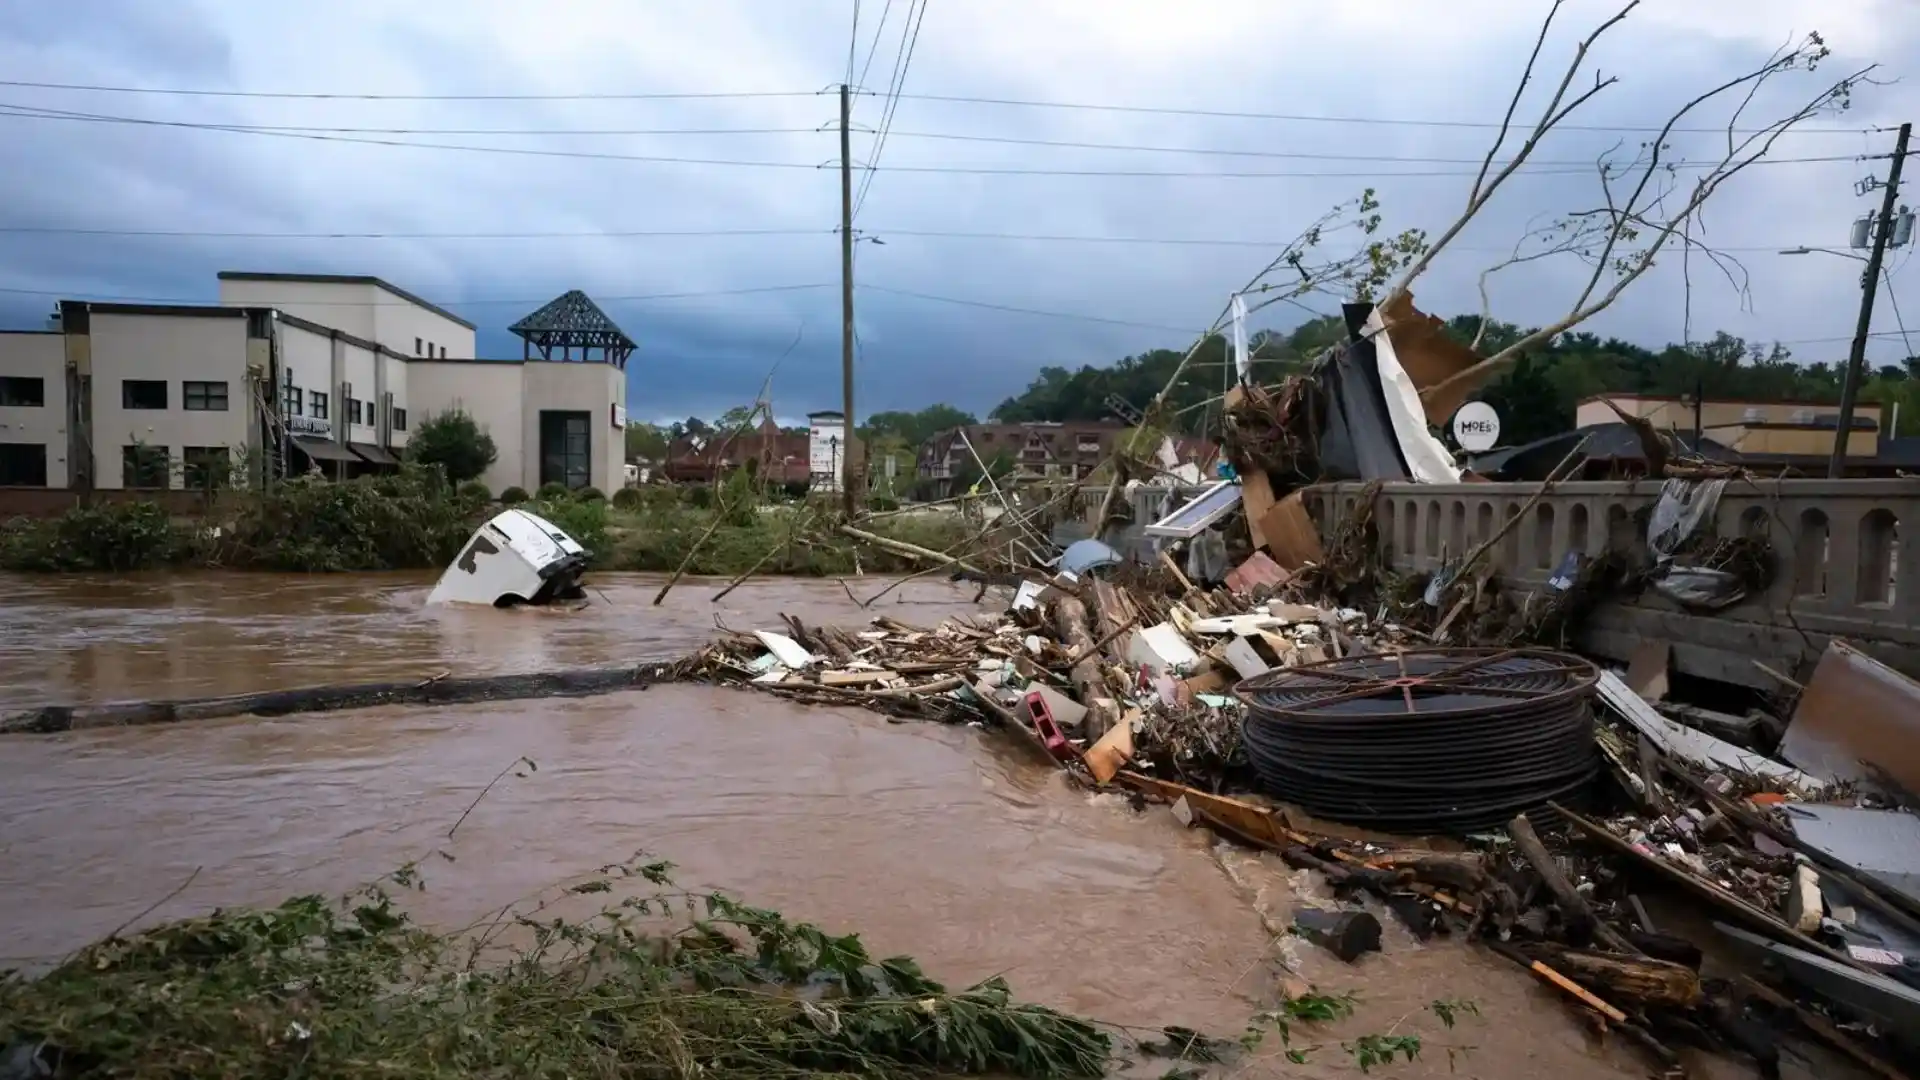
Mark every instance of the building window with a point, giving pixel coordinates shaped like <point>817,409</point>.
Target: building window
<point>143,393</point>
<point>353,410</point>
<point>416,347</point>
<point>23,391</point>
<point>143,466</point>
<point>317,404</point>
<point>399,419</point>
<point>443,352</point>
<point>566,448</point>
<point>23,464</point>
<point>291,399</point>
<point>203,396</point>
<point>205,467</point>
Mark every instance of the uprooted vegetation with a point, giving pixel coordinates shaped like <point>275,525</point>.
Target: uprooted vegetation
<point>414,520</point>
<point>658,983</point>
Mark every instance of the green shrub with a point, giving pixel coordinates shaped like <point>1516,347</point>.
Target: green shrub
<point>585,521</point>
<point>590,494</point>
<point>407,520</point>
<point>881,504</point>
<point>474,489</point>
<point>113,537</point>
<point>513,495</point>
<point>552,492</point>
<point>456,442</point>
<point>628,499</point>
<point>700,497</point>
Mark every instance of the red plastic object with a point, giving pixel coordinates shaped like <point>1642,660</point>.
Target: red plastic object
<point>1043,723</point>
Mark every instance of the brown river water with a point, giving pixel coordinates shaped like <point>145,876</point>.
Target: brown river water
<point>929,840</point>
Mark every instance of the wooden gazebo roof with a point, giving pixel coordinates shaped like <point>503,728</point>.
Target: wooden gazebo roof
<point>573,321</point>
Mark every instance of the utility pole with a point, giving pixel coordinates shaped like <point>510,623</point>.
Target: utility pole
<point>1857,359</point>
<point>846,297</point>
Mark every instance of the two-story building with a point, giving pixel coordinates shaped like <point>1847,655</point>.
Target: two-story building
<point>294,372</point>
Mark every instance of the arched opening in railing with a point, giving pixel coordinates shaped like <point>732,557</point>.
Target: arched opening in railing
<point>1457,529</point>
<point>1810,554</point>
<point>1621,536</point>
<point>1510,543</point>
<point>1409,528</point>
<point>1543,553</point>
<point>1578,519</point>
<point>1754,523</point>
<point>1432,549</point>
<point>1878,559</point>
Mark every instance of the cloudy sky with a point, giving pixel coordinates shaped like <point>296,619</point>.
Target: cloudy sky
<point>973,216</point>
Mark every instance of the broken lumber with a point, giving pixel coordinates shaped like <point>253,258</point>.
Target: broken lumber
<point>1581,921</point>
<point>1644,981</point>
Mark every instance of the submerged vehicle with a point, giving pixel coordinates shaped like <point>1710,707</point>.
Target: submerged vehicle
<point>516,558</point>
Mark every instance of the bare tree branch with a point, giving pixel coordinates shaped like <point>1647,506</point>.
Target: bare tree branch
<point>1624,236</point>
<point>1550,117</point>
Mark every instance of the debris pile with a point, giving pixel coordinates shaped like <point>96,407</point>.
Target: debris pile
<point>1562,805</point>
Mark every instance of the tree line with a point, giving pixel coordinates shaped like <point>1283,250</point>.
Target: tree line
<point>1536,397</point>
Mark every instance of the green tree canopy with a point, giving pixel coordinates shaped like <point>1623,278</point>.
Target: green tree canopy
<point>456,442</point>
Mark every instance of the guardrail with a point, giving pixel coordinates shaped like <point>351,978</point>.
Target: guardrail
<point>1847,551</point>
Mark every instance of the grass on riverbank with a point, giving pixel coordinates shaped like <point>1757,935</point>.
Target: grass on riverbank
<point>414,521</point>
<point>355,989</point>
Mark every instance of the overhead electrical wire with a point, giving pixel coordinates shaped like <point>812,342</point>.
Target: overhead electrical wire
<point>36,112</point>
<point>1319,118</point>
<point>13,111</point>
<point>118,298</point>
<point>621,234</point>
<point>961,99</point>
<point>8,110</point>
<point>873,46</point>
<point>1021,310</point>
<point>910,38</point>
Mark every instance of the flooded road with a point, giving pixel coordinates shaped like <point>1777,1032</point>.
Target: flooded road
<point>929,840</point>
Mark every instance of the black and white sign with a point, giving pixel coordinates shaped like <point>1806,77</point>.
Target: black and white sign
<point>1476,426</point>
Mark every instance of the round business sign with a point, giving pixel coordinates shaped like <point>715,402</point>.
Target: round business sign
<point>1476,426</point>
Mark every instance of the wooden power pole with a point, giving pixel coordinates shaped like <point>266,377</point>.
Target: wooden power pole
<point>846,299</point>
<point>1857,359</point>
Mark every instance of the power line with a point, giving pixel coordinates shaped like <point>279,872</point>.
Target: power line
<point>853,40</point>
<point>615,95</point>
<point>1310,118</point>
<point>13,111</point>
<point>902,62</point>
<point>961,170</point>
<point>1024,310</point>
<point>621,234</point>
<point>332,96</point>
<point>885,132</point>
<point>874,46</point>
<point>111,298</point>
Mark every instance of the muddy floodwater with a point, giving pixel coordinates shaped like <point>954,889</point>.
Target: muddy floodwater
<point>930,840</point>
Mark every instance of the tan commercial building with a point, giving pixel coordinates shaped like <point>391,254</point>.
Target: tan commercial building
<point>296,372</point>
<point>1794,428</point>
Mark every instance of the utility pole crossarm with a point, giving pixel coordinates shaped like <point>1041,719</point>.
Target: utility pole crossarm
<point>1857,357</point>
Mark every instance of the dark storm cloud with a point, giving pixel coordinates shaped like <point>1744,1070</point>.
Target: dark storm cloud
<point>703,354</point>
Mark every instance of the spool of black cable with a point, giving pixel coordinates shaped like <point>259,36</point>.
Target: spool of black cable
<point>1425,741</point>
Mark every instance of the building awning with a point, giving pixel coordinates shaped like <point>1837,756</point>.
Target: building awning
<point>320,449</point>
<point>374,454</point>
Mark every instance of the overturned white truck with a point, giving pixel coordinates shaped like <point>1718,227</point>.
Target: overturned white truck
<point>516,558</point>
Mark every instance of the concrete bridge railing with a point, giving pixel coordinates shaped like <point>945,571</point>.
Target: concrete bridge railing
<point>1847,561</point>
